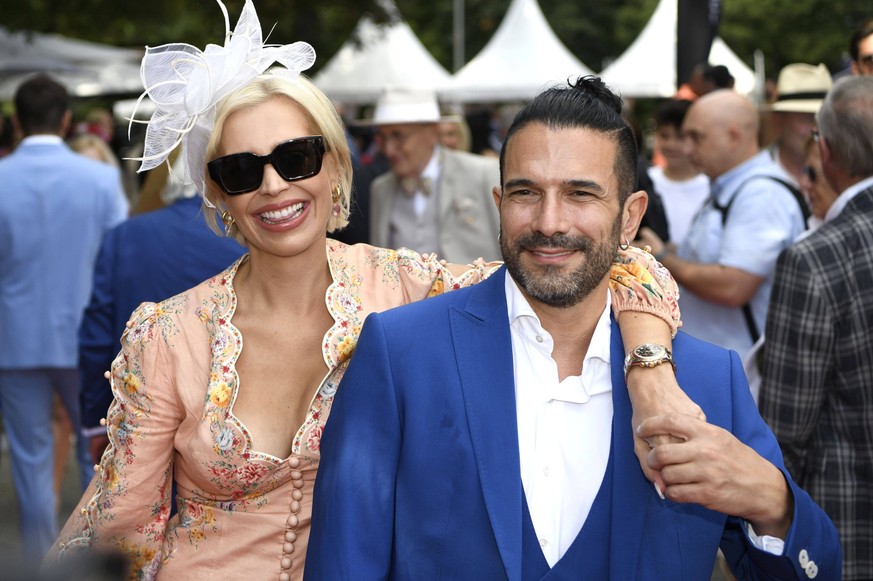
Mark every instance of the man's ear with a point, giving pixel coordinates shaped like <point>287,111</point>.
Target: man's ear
<point>66,123</point>
<point>632,213</point>
<point>497,192</point>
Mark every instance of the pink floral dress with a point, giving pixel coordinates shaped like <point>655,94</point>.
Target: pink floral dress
<point>244,514</point>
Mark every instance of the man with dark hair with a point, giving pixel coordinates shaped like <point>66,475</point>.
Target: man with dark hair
<point>477,435</point>
<point>861,48</point>
<point>55,207</point>
<point>817,383</point>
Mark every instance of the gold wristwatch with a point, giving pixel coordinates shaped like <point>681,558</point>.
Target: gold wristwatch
<point>648,355</point>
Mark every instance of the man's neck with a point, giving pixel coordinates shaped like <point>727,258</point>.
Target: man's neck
<point>571,328</point>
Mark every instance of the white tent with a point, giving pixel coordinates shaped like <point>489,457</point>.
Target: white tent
<point>523,57</point>
<point>648,67</point>
<point>87,69</point>
<point>388,55</point>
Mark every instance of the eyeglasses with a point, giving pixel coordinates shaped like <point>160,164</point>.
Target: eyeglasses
<point>810,173</point>
<point>296,159</point>
<point>396,137</point>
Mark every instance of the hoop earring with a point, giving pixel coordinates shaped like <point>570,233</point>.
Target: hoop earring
<point>228,222</point>
<point>625,245</point>
<point>336,196</point>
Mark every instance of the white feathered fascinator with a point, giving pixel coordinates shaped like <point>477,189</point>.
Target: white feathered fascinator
<point>186,83</point>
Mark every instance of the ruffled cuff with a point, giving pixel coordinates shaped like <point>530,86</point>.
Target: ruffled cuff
<point>640,283</point>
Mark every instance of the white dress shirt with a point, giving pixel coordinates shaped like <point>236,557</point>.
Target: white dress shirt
<point>564,427</point>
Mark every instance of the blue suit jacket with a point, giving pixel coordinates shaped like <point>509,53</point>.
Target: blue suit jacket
<point>55,206</point>
<point>151,257</point>
<point>420,478</point>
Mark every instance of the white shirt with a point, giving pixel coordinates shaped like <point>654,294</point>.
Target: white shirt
<point>681,200</point>
<point>564,428</point>
<point>431,172</point>
<point>846,196</point>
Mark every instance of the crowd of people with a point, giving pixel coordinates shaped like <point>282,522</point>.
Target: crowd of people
<point>355,349</point>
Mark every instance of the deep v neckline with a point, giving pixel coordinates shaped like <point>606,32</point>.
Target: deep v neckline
<point>327,355</point>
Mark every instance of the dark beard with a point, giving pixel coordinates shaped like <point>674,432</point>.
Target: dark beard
<point>546,283</point>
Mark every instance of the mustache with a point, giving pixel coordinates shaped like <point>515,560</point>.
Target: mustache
<point>538,240</point>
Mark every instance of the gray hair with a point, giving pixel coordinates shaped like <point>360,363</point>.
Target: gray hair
<point>846,121</point>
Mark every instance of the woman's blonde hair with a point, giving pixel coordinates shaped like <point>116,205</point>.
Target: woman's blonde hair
<point>319,111</point>
<point>84,141</point>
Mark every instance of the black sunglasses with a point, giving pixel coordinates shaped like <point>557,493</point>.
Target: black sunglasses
<point>296,159</point>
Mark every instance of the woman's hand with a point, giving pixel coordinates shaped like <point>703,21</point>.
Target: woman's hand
<point>655,392</point>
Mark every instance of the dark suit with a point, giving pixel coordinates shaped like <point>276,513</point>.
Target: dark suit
<point>817,383</point>
<point>151,257</point>
<point>420,475</point>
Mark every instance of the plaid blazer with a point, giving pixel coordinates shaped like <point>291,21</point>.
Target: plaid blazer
<point>817,387</point>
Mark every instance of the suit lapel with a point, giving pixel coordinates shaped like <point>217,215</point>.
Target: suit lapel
<point>631,492</point>
<point>483,349</point>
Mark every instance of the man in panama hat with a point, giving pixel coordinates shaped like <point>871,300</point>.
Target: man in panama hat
<point>433,199</point>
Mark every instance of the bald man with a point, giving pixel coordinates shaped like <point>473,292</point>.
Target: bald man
<point>726,262</point>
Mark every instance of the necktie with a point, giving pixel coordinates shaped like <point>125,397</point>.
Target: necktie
<point>412,185</point>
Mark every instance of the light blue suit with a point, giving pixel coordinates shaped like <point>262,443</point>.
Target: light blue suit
<point>55,207</point>
<point>420,477</point>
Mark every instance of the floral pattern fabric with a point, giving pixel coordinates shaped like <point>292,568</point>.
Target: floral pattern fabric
<point>243,513</point>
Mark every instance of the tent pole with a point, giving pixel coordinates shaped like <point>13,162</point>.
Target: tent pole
<point>458,34</point>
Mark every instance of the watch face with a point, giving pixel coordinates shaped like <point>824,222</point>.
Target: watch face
<point>649,351</point>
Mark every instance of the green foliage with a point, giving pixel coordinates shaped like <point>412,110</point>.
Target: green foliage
<point>785,30</point>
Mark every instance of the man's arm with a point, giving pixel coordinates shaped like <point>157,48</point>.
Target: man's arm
<point>353,507</point>
<point>740,473</point>
<point>725,285</point>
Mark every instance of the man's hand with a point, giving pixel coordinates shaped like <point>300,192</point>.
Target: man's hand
<point>711,467</point>
<point>654,392</point>
<point>647,237</point>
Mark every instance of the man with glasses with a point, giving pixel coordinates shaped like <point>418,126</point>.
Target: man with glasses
<point>725,264</point>
<point>861,49</point>
<point>817,385</point>
<point>433,199</point>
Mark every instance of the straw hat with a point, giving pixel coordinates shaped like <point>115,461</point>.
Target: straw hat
<point>801,88</point>
<point>402,106</point>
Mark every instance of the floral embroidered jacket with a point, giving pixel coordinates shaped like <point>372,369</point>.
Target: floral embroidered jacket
<point>243,514</point>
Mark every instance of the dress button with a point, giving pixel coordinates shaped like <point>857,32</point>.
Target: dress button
<point>297,494</point>
<point>811,569</point>
<point>293,462</point>
<point>286,562</point>
<point>293,521</point>
<point>297,483</point>
<point>803,558</point>
<point>546,471</point>
<point>288,548</point>
<point>295,506</point>
<point>283,576</point>
<point>539,338</point>
<point>290,536</point>
<point>544,543</point>
<point>296,475</point>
